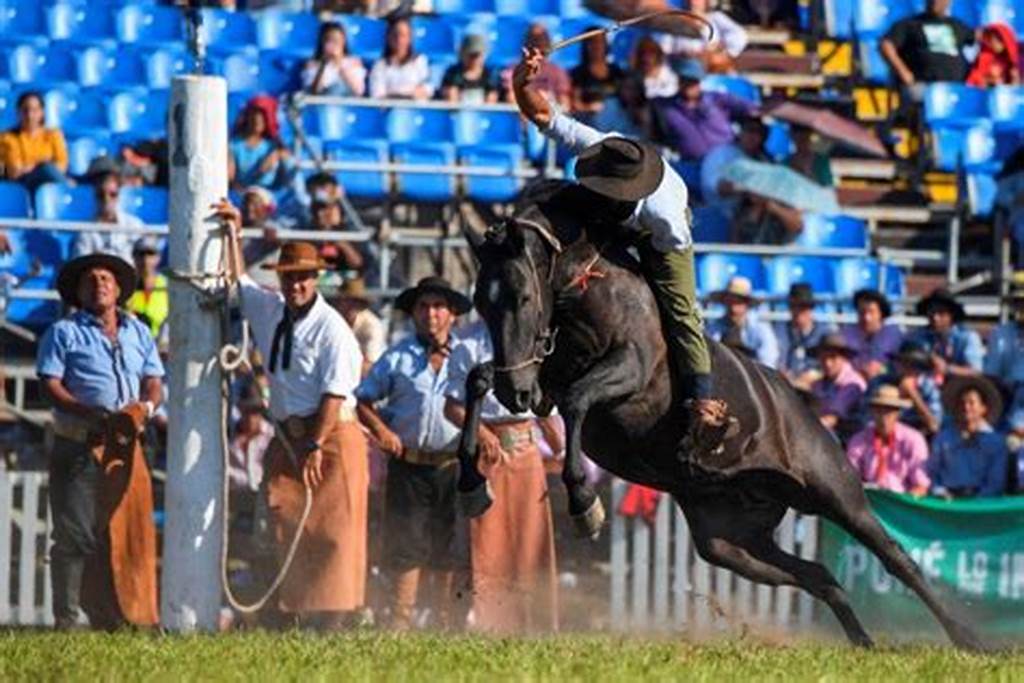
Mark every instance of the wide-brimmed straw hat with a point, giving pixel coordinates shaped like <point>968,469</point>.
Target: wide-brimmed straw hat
<point>942,298</point>
<point>875,296</point>
<point>888,396</point>
<point>297,257</point>
<point>955,386</point>
<point>738,287</point>
<point>620,169</point>
<point>71,273</point>
<point>835,343</point>
<point>406,301</point>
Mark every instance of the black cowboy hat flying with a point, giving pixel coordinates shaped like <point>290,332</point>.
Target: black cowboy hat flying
<point>406,301</point>
<point>71,274</point>
<point>620,169</point>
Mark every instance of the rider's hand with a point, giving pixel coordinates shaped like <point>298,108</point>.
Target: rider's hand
<point>390,443</point>
<point>528,67</point>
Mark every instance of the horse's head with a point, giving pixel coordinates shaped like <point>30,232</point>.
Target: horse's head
<point>514,295</point>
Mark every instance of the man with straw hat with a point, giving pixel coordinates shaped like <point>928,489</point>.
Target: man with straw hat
<point>739,327</point>
<point>887,453</point>
<point>313,364</point>
<point>401,401</point>
<point>969,458</point>
<point>839,391</point>
<point>100,368</point>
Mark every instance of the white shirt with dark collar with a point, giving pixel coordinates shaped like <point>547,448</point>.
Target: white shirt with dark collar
<point>325,356</point>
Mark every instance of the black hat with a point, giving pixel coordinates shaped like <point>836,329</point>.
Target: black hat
<point>800,294</point>
<point>406,301</point>
<point>942,298</point>
<point>913,353</point>
<point>955,386</point>
<point>621,169</point>
<point>71,273</point>
<point>877,297</point>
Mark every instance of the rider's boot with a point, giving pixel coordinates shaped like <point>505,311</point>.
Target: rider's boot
<point>709,423</point>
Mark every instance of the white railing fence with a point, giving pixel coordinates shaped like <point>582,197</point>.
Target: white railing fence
<point>25,593</point>
<point>658,582</point>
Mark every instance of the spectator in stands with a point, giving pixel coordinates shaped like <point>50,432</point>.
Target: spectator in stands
<point>740,326</point>
<point>293,209</point>
<point>648,66</point>
<point>552,80</point>
<point>107,187</point>
<point>969,458</point>
<point>1005,357</point>
<point>839,391</point>
<point>911,367</point>
<point>342,255</point>
<point>695,122</point>
<point>874,342</point>
<point>956,349</point>
<point>928,47</point>
<point>596,79</point>
<point>806,160</point>
<point>253,434</point>
<point>333,71</point>
<point>730,40</point>
<point>1015,445</point>
<point>763,220</point>
<point>30,152</point>
<point>257,155</point>
<point>150,302</point>
<point>887,453</point>
<point>369,329</point>
<point>798,336</point>
<point>470,80</point>
<point>998,61</point>
<point>400,72</point>
<point>749,144</point>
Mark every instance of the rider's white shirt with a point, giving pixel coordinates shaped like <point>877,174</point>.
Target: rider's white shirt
<point>664,212</point>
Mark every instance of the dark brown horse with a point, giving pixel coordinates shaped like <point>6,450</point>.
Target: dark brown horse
<point>576,324</point>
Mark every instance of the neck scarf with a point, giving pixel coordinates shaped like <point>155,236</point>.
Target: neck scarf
<point>284,331</point>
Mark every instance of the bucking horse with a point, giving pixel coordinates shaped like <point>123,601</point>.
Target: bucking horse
<point>574,323</point>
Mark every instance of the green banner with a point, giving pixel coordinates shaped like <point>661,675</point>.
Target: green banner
<point>972,551</point>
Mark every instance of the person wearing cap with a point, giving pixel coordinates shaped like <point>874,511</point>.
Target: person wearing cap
<point>100,368</point>
<point>313,364</point>
<point>106,184</point>
<point>911,372</point>
<point>1005,357</point>
<point>370,331</point>
<point>956,349</point>
<point>839,391</point>
<point>887,453</point>
<point>512,544</point>
<point>470,80</point>
<point>799,335</point>
<point>408,384</point>
<point>969,458</point>
<point>740,327</point>
<point>873,340</point>
<point>150,302</point>
<point>628,184</point>
<point>694,121</point>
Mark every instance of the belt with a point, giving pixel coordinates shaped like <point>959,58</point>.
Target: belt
<point>73,430</point>
<point>297,427</point>
<point>415,456</point>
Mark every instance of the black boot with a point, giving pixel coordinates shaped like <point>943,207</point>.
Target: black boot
<point>66,580</point>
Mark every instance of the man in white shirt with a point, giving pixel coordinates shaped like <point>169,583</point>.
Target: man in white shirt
<point>313,363</point>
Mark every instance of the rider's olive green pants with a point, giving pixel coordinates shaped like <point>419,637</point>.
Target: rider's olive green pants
<point>672,276</point>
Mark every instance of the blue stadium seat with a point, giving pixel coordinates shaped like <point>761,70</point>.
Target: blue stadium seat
<point>985,150</point>
<point>41,68</point>
<point>81,152</point>
<point>833,232</point>
<point>24,19</point>
<point>464,6</point>
<point>856,273</point>
<point>152,26</point>
<point>353,124</point>
<point>714,271</point>
<point>55,201</point>
<point>242,73</point>
<point>425,187</point>
<point>733,85</point>
<point>874,17</point>
<point>420,125</point>
<point>506,40</point>
<point>981,193</point>
<point>361,184</point>
<point>149,204</point>
<point>954,104</point>
<point>689,171</point>
<point>226,32</point>
<point>8,109</point>
<point>839,19</point>
<point>783,271</point>
<point>527,8</point>
<point>967,11</point>
<point>81,113</point>
<point>293,33</point>
<point>711,224</point>
<point>778,145</point>
<point>34,314</point>
<point>1006,107</point>
<point>366,36</point>
<point>163,65</point>
<point>81,24</point>
<point>279,72</point>
<point>474,127</point>
<point>112,68</point>
<point>1009,12</point>
<point>575,9</point>
<point>488,188</point>
<point>14,200</point>
<point>139,115</point>
<point>873,66</point>
<point>433,37</point>
<point>948,148</point>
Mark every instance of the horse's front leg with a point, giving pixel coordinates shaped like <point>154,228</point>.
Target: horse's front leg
<point>473,492</point>
<point>618,374</point>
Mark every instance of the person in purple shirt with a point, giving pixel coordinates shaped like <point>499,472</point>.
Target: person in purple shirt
<point>839,391</point>
<point>694,121</point>
<point>872,341</point>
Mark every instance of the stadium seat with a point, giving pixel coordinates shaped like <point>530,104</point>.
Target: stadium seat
<point>505,39</point>
<point>1009,12</point>
<point>425,187</point>
<point>874,17</point>
<point>576,9</point>
<point>833,232</point>
<point>151,26</point>
<point>1006,107</point>
<point>118,68</point>
<point>783,271</point>
<point>242,73</point>
<point>714,271</point>
<point>981,194</point>
<point>420,125</point>
<point>58,202</point>
<point>139,115</point>
<point>873,66</point>
<point>163,65</point>
<point>527,8</point>
<point>948,148</point>
<point>464,6</point>
<point>778,145</point>
<point>839,18</point>
<point>856,273</point>
<point>149,204</point>
<point>226,32</point>
<point>23,20</point>
<point>689,171</point>
<point>361,184</point>
<point>475,127</point>
<point>94,24</point>
<point>366,36</point>
<point>77,114</point>
<point>967,11</point>
<point>292,33</point>
<point>492,189</point>
<point>81,152</point>
<point>41,68</point>
<point>14,200</point>
<point>986,150</point>
<point>433,37</point>
<point>954,104</point>
<point>733,85</point>
<point>34,314</point>
<point>711,224</point>
<point>8,109</point>
<point>336,122</point>
<point>279,72</point>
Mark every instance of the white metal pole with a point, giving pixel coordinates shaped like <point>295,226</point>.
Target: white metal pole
<point>198,138</point>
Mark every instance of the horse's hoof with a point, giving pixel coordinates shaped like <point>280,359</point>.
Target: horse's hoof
<point>476,501</point>
<point>588,524</point>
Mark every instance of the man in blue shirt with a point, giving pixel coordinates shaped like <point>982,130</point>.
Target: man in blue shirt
<point>955,349</point>
<point>100,368</point>
<point>739,327</point>
<point>798,336</point>
<point>408,383</point>
<point>969,458</point>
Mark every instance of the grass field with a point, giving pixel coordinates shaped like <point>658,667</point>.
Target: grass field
<point>371,655</point>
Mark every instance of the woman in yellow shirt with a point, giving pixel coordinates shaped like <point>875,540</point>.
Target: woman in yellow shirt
<point>31,153</point>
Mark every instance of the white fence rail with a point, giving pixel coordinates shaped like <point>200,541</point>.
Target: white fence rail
<point>660,583</point>
<point>25,593</point>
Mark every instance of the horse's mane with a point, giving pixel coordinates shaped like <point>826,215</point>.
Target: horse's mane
<point>555,203</point>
